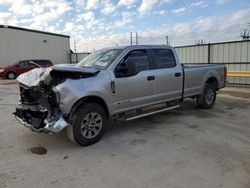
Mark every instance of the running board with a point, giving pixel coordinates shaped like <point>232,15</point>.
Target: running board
<point>152,112</point>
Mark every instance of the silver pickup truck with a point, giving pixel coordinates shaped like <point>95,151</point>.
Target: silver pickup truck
<point>120,83</point>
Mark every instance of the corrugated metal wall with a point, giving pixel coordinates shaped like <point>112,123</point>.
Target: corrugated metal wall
<point>235,54</point>
<point>17,44</point>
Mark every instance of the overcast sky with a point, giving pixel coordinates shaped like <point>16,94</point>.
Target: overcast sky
<point>94,24</point>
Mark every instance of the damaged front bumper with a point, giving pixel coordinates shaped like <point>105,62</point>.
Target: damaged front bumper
<point>33,117</point>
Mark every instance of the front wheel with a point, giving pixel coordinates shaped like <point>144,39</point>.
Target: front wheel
<point>207,98</point>
<point>11,75</point>
<point>89,124</point>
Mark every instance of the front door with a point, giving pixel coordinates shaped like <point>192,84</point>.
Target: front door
<point>134,82</point>
<point>23,67</point>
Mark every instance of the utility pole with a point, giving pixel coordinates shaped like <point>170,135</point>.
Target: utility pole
<point>167,40</point>
<point>136,38</point>
<point>245,35</point>
<point>75,51</point>
<point>75,46</point>
<point>131,39</point>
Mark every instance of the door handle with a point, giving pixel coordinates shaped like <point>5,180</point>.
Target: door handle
<point>178,74</point>
<point>149,78</point>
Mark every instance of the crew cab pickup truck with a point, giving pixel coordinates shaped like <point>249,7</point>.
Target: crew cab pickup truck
<point>120,83</point>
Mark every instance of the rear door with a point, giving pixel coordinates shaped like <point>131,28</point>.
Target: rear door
<point>169,76</point>
<point>134,90</point>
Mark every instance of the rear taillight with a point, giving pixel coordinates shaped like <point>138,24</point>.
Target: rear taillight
<point>225,73</point>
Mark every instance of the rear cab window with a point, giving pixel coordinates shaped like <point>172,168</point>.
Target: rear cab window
<point>163,58</point>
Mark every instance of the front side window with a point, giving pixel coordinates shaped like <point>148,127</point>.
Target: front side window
<point>164,58</point>
<point>23,64</point>
<point>133,63</point>
<point>100,59</point>
<point>140,59</point>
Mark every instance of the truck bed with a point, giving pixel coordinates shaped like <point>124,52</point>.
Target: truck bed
<point>197,74</point>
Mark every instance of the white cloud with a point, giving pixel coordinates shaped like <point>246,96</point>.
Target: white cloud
<point>205,24</point>
<point>43,20</point>
<point>147,5</point>
<point>88,16</point>
<point>182,28</point>
<point>221,2</point>
<point>93,4</point>
<point>94,30</point>
<point>201,4</point>
<point>34,14</point>
<point>186,9</point>
<point>126,2</point>
<point>126,19</point>
<point>108,7</point>
<point>122,23</point>
<point>225,27</point>
<point>179,10</point>
<point>5,17</point>
<point>162,12</point>
<point>80,3</point>
<point>68,27</point>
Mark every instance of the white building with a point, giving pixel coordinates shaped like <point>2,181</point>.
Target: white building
<point>21,44</point>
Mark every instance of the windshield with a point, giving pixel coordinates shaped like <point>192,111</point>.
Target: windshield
<point>100,59</point>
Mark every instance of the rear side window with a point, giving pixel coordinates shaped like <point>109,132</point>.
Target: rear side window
<point>164,58</point>
<point>140,60</point>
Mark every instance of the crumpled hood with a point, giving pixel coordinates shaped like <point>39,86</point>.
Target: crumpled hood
<point>34,77</point>
<point>74,68</point>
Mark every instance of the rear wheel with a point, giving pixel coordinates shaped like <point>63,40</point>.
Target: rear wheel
<point>88,124</point>
<point>207,98</point>
<point>11,75</point>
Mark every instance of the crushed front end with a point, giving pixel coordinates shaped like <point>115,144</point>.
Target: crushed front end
<point>42,100</point>
<point>38,110</point>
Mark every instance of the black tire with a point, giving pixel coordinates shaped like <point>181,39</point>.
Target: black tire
<point>89,123</point>
<point>207,99</point>
<point>11,75</point>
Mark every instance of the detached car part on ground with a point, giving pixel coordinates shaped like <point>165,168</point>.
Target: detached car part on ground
<point>122,83</point>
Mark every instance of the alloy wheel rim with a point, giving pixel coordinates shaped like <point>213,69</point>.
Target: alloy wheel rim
<point>91,125</point>
<point>209,96</point>
<point>11,76</point>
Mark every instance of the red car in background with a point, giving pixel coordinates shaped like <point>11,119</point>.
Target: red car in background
<point>23,66</point>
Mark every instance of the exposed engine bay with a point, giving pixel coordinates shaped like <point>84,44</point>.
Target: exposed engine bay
<point>39,101</point>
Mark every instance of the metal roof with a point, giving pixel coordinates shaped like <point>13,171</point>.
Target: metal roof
<point>34,31</point>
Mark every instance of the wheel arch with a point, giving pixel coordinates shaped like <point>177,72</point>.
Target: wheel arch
<point>88,99</point>
<point>213,81</point>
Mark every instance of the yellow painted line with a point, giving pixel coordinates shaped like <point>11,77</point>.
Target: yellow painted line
<point>238,74</point>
